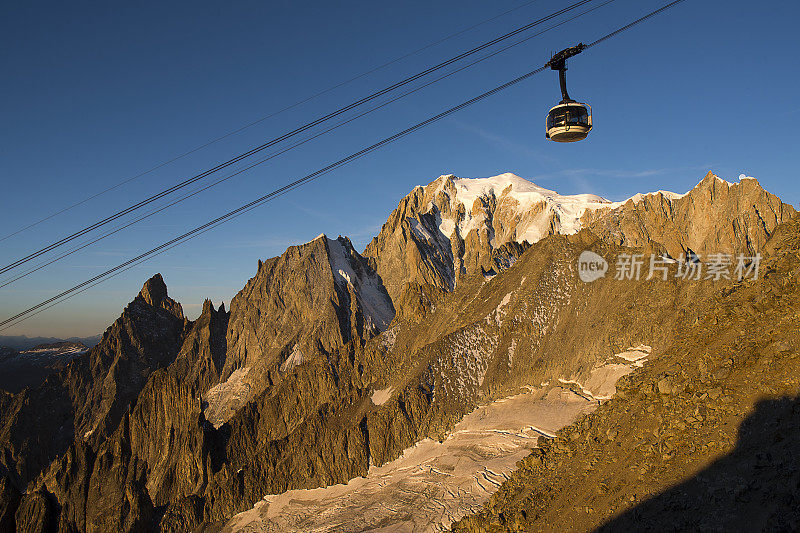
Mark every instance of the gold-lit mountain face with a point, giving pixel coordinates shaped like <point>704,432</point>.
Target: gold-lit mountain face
<point>330,363</point>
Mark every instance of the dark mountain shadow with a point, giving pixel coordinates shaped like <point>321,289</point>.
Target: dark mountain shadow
<point>756,487</point>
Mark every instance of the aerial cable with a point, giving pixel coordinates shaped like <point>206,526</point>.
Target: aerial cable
<point>288,135</point>
<point>262,119</point>
<point>9,322</point>
<point>117,273</point>
<point>36,268</point>
<point>279,191</point>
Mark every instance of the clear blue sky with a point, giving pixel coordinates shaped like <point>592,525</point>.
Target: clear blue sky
<point>94,92</point>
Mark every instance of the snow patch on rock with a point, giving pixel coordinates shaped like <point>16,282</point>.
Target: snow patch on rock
<point>222,397</point>
<point>295,359</point>
<point>372,297</point>
<point>512,350</point>
<point>636,355</point>
<point>467,360</point>
<point>380,397</point>
<point>500,313</point>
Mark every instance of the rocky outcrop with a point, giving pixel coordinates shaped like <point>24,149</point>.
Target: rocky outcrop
<point>714,217</point>
<point>450,228</point>
<point>35,513</point>
<point>155,455</point>
<point>299,307</point>
<point>703,438</point>
<point>87,399</point>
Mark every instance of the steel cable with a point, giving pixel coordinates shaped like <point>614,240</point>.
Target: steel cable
<point>19,317</point>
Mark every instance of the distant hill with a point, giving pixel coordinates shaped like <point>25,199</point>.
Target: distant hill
<point>23,342</point>
<point>29,368</point>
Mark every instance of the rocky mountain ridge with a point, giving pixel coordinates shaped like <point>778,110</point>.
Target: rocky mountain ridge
<point>454,227</point>
<point>716,216</point>
<point>703,438</point>
<point>87,398</point>
<point>330,361</point>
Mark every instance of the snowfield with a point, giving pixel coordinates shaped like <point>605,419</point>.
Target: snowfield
<point>376,304</point>
<point>525,195</point>
<point>532,206</point>
<point>223,397</point>
<point>432,484</point>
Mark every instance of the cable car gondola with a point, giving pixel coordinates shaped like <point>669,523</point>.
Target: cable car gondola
<point>568,121</point>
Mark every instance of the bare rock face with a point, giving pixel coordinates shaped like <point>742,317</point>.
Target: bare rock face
<point>305,293</point>
<point>703,438</point>
<point>35,513</point>
<point>156,454</point>
<point>451,227</point>
<point>411,249</point>
<point>301,306</point>
<point>86,400</point>
<point>714,217</point>
<point>9,502</point>
<point>154,293</point>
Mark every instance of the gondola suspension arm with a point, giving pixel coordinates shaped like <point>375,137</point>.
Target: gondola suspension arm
<point>559,62</point>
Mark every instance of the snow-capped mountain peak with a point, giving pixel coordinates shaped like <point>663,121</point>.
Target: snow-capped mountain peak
<point>456,226</point>
<point>517,197</point>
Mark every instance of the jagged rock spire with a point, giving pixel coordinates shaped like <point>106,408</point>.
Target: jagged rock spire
<point>154,292</point>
